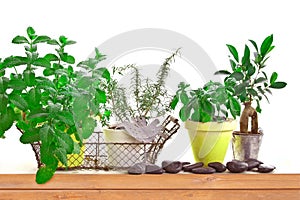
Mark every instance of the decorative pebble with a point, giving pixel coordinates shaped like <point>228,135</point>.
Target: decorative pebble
<point>188,168</point>
<point>219,167</point>
<point>203,170</point>
<point>236,166</point>
<point>185,163</point>
<point>262,168</point>
<point>253,163</point>
<point>172,166</point>
<point>137,169</point>
<point>153,169</point>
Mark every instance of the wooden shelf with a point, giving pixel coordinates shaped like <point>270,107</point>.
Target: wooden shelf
<point>166,186</point>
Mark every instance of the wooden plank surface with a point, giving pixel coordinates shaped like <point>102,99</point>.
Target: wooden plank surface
<point>150,194</point>
<point>166,186</point>
<point>165,181</point>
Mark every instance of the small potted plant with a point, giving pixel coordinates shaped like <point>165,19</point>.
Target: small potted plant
<point>205,112</point>
<point>44,97</point>
<point>135,111</point>
<point>252,85</point>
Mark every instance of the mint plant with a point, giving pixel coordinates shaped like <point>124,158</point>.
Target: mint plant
<point>212,102</point>
<point>252,82</point>
<point>45,97</point>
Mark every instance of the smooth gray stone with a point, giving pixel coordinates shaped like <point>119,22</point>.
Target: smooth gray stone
<point>219,167</point>
<point>153,169</point>
<point>172,166</point>
<point>262,168</point>
<point>137,169</point>
<point>237,166</point>
<point>203,170</point>
<point>188,168</point>
<point>253,163</point>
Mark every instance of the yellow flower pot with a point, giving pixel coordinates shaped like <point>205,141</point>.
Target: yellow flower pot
<point>74,160</point>
<point>210,140</point>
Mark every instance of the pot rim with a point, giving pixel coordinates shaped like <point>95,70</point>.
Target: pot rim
<point>228,125</point>
<point>247,134</point>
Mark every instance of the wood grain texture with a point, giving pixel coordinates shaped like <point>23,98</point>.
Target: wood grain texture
<point>149,194</point>
<point>166,186</point>
<point>165,181</point>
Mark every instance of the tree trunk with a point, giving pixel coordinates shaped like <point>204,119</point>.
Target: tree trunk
<point>249,111</point>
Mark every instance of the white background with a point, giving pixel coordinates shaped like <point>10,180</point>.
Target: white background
<point>211,24</point>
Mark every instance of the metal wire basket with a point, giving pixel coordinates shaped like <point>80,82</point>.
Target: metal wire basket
<point>94,152</point>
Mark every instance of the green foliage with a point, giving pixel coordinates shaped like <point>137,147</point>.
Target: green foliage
<point>49,108</point>
<point>144,97</point>
<point>208,103</point>
<point>252,82</point>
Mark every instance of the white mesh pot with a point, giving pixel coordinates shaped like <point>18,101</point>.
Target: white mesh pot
<point>122,152</point>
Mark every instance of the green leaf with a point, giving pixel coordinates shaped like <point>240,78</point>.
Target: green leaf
<point>174,102</point>
<point>104,73</point>
<point>258,108</point>
<point>278,85</point>
<point>34,96</point>
<point>65,141</point>
<point>51,57</point>
<point>7,120</point>
<point>41,39</point>
<point>61,155</point>
<point>3,84</point>
<point>52,42</point>
<point>3,103</point>
<point>241,87</point>
<point>222,72</point>
<point>42,62</point>
<point>232,64</point>
<point>14,61</point>
<point>237,75</point>
<point>20,40</point>
<point>63,80</point>
<point>29,78</point>
<point>66,117</point>
<point>252,92</point>
<point>251,70</point>
<point>235,107</point>
<point>88,126</point>
<point>266,44</point>
<point>80,105</point>
<point>273,77</point>
<point>184,98</point>
<point>70,42</point>
<point>48,72</point>
<point>30,31</point>
<point>63,39</point>
<point>246,57</point>
<point>184,113</point>
<point>44,174</point>
<point>17,84</point>
<point>100,96</point>
<point>67,58</point>
<point>84,82</point>
<point>18,101</point>
<point>30,136</point>
<point>234,52</point>
<point>260,80</point>
<point>254,44</point>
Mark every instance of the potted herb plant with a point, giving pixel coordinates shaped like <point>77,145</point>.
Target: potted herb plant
<point>205,112</point>
<point>135,110</point>
<point>252,85</point>
<point>44,97</point>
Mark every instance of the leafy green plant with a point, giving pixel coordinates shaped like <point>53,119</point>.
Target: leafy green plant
<point>212,102</point>
<point>252,82</point>
<point>144,98</point>
<point>47,99</point>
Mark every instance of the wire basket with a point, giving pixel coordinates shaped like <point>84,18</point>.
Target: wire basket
<point>94,152</point>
